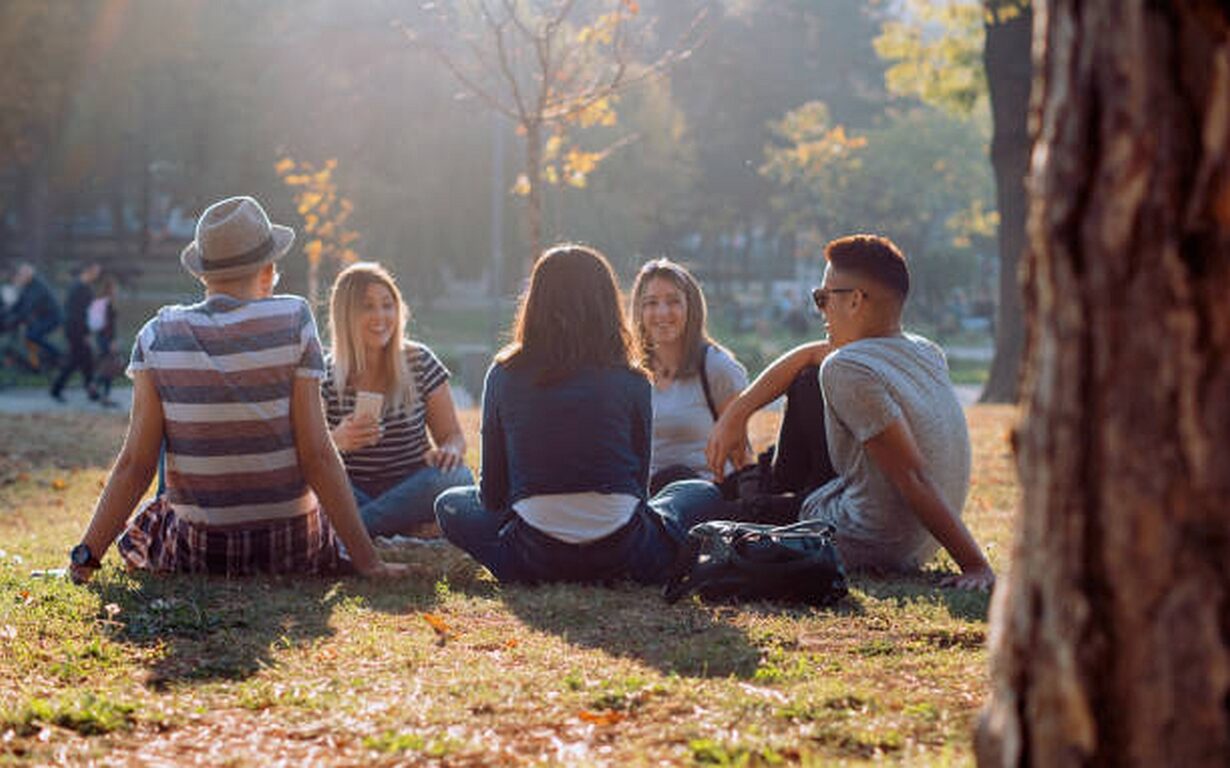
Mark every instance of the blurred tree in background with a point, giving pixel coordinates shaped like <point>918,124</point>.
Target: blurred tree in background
<point>761,59</point>
<point>325,213</point>
<point>553,69</point>
<point>127,117</point>
<point>961,55</point>
<point>44,46</point>
<point>912,178</point>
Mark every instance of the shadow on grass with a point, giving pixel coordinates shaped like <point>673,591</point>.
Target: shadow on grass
<point>689,638</point>
<point>922,588</point>
<point>211,628</point>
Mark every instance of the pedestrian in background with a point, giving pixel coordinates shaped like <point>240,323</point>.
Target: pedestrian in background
<point>36,308</point>
<point>76,331</point>
<point>100,320</point>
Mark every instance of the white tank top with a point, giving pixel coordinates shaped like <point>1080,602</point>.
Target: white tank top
<point>577,518</point>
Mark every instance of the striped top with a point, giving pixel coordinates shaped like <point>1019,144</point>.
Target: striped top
<point>404,442</point>
<point>224,370</point>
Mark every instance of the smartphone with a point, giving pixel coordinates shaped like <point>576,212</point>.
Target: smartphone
<point>367,405</point>
<point>50,573</point>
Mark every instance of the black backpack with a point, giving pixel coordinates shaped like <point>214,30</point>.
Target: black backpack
<point>730,561</point>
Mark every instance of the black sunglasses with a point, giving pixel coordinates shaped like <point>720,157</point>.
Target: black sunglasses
<point>821,295</point>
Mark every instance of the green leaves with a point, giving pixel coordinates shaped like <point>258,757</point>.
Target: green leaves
<point>936,50</point>
<point>920,178</point>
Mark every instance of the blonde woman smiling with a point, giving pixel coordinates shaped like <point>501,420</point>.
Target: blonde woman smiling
<point>408,448</point>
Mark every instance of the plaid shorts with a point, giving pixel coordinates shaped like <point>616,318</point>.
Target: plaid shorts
<point>157,540</point>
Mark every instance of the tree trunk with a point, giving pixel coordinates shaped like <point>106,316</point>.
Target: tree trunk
<point>533,170</point>
<point>313,284</point>
<point>1110,635</point>
<point>35,208</point>
<point>1007,60</point>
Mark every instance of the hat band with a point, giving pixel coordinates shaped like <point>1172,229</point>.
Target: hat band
<point>242,260</point>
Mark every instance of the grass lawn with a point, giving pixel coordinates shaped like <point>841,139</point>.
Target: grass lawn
<point>448,667</point>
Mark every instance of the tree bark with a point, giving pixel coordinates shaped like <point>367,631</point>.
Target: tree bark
<point>34,191</point>
<point>533,201</point>
<point>1109,637</point>
<point>1007,59</point>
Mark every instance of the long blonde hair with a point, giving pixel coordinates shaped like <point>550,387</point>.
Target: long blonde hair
<point>349,353</point>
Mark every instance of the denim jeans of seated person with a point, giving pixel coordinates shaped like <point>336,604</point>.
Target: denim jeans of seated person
<point>643,550</point>
<point>410,503</point>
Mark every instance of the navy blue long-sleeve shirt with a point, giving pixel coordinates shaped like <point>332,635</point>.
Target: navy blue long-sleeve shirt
<point>588,433</point>
<point>36,303</point>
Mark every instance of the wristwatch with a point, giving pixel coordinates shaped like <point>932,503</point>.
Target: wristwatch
<point>82,557</point>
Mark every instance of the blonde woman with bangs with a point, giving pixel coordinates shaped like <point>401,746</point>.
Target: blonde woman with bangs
<point>389,407</point>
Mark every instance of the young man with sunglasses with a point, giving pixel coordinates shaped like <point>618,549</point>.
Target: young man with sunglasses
<point>873,439</point>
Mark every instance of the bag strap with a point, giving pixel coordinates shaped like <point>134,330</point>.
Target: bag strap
<point>679,583</point>
<point>704,383</point>
<point>805,526</point>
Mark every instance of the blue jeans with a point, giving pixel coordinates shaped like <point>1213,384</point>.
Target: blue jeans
<point>37,332</point>
<point>409,503</point>
<point>643,550</point>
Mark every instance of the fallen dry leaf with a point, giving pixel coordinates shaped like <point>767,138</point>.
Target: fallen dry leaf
<point>608,717</point>
<point>326,654</point>
<point>441,626</point>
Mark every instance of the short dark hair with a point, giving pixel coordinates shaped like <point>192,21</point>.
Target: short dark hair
<point>873,257</point>
<point>571,317</point>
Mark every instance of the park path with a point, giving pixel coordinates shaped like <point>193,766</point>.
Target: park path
<point>36,400</point>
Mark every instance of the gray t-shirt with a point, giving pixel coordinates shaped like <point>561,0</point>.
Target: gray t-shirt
<point>867,385</point>
<point>681,417</point>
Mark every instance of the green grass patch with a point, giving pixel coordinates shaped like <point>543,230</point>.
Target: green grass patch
<point>964,371</point>
<point>87,714</point>
<point>140,669</point>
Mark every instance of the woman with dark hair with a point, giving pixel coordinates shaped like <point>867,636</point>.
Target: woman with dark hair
<point>694,378</point>
<point>566,432</point>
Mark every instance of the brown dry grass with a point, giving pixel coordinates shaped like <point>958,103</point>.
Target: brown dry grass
<point>447,667</point>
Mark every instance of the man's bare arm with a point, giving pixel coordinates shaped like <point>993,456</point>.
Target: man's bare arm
<point>728,439</point>
<point>897,455</point>
<point>130,477</point>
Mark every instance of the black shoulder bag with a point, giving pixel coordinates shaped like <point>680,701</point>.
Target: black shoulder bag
<point>728,561</point>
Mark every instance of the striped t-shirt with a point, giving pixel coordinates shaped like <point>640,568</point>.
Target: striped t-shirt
<point>404,441</point>
<point>224,370</point>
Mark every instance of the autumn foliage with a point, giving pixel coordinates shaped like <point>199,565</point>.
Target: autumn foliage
<point>325,214</point>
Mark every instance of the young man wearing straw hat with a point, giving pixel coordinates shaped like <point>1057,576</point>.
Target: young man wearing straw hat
<point>232,384</point>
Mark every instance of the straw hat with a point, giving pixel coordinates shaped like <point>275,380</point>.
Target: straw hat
<point>234,238</point>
